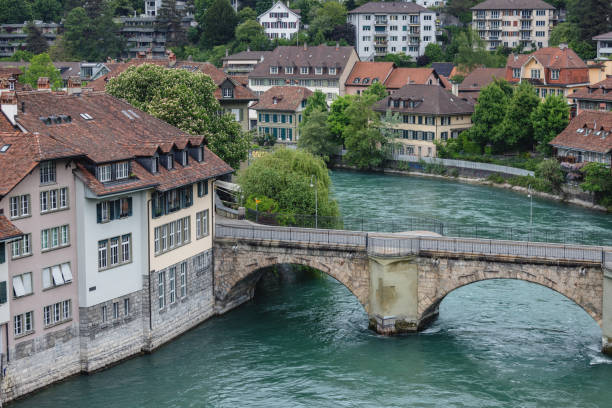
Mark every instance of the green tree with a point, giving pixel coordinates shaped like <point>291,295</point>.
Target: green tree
<point>316,101</point>
<point>461,9</point>
<point>550,171</point>
<point>326,17</point>
<point>401,60</point>
<point>488,115</point>
<point>170,20</point>
<point>15,11</point>
<point>41,66</point>
<point>186,100</point>
<point>315,136</point>
<point>434,52</point>
<point>366,144</point>
<point>472,52</point>
<point>377,90</point>
<point>517,127</point>
<point>569,33</point>
<point>48,11</point>
<point>246,13</point>
<point>252,33</point>
<point>35,41</point>
<point>285,177</point>
<point>592,17</point>
<point>548,120</point>
<point>20,55</point>
<point>598,180</point>
<point>218,24</point>
<point>337,120</point>
<point>92,38</point>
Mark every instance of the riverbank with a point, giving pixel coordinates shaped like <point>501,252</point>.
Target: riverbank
<point>567,199</point>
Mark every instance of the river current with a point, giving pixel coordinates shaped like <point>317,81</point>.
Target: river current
<point>303,341</point>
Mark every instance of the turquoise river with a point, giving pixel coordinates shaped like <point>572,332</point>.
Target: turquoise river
<point>303,341</point>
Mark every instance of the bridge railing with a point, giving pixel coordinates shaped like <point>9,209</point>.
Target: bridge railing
<point>403,246</point>
<point>306,235</point>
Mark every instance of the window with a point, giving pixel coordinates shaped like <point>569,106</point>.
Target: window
<point>169,162</point>
<point>318,71</point>
<point>19,206</point>
<point>55,237</point>
<point>47,172</point>
<point>123,170</point>
<point>304,70</point>
<point>202,188</point>
<point>332,71</point>
<point>288,70</point>
<point>161,289</point>
<point>540,12</point>
<point>172,200</point>
<point>228,92</point>
<point>126,306</point>
<point>114,251</point>
<point>23,323</point>
<point>273,69</point>
<point>22,247</point>
<point>104,173</point>
<point>104,314</point>
<point>554,74</point>
<point>53,200</point>
<point>202,224</point>
<point>56,275</point>
<point>183,279</point>
<point>172,281</point>
<point>154,164</point>
<point>63,197</point>
<point>22,284</point>
<point>172,235</point>
<point>115,310</point>
<point>535,74</point>
<point>57,313</point>
<point>516,72</point>
<point>112,210</point>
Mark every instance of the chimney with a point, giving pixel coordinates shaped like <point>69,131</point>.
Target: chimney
<point>305,46</point>
<point>562,46</point>
<point>8,104</point>
<point>140,55</point>
<point>74,85</point>
<point>43,84</point>
<point>337,45</point>
<point>455,88</point>
<point>171,59</point>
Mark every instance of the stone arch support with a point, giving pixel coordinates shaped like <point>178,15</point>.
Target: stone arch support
<point>238,267</point>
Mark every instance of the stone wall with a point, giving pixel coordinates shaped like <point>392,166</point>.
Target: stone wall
<point>39,361</point>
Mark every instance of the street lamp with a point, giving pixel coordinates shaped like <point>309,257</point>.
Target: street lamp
<point>530,195</point>
<point>313,184</point>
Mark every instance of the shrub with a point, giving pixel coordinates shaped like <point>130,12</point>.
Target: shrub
<point>496,178</point>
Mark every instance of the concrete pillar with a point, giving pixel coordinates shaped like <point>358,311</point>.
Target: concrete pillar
<point>606,325</point>
<point>393,297</point>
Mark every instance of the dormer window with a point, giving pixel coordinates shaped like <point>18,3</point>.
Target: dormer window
<point>228,93</point>
<point>366,80</point>
<point>273,69</point>
<point>154,164</point>
<point>304,70</point>
<point>332,71</point>
<point>184,157</point>
<point>201,154</point>
<point>356,80</point>
<point>169,162</point>
<point>318,70</point>
<point>554,74</point>
<point>375,80</point>
<point>122,170</point>
<point>104,173</point>
<point>288,70</point>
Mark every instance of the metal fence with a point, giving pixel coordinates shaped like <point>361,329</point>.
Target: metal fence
<point>394,246</point>
<point>463,164</point>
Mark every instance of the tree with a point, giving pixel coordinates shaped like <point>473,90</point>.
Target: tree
<point>47,10</point>
<point>548,120</point>
<point>315,136</point>
<point>569,33</point>
<point>598,180</point>
<point>170,20</point>
<point>550,171</point>
<point>326,17</point>
<point>488,115</point>
<point>35,41</point>
<point>517,127</point>
<point>592,17</point>
<point>186,100</point>
<point>401,60</point>
<point>92,38</point>
<point>285,177</point>
<point>218,24</point>
<point>377,90</point>
<point>316,101</point>
<point>342,32</point>
<point>472,52</point>
<point>246,13</point>
<point>365,143</point>
<point>461,9</point>
<point>434,52</point>
<point>41,66</point>
<point>337,120</point>
<point>252,33</point>
<point>15,11</point>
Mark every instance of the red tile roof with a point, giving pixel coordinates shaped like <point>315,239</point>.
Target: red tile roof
<point>370,70</point>
<point>7,229</point>
<point>513,4</point>
<point>481,77</point>
<point>282,98</point>
<point>549,57</point>
<point>404,76</point>
<point>431,99</point>
<point>595,92</point>
<point>595,136</point>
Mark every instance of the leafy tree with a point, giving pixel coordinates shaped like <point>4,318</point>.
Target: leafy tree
<point>549,119</point>
<point>246,13</point>
<point>41,66</point>
<point>15,11</point>
<point>316,101</point>
<point>517,128</point>
<point>337,120</point>
<point>461,9</point>
<point>252,33</point>
<point>218,24</point>
<point>169,19</point>
<point>434,52</point>
<point>262,6</point>
<point>326,17</point>
<point>47,10</point>
<point>569,33</point>
<point>457,78</point>
<point>342,32</point>
<point>285,176</point>
<point>472,52</point>
<point>365,142</point>
<point>592,17</point>
<point>315,136</point>
<point>401,60</point>
<point>20,55</point>
<point>598,180</point>
<point>488,115</point>
<point>377,90</point>
<point>35,41</point>
<point>186,100</point>
<point>92,38</point>
<point>422,61</point>
<point>550,171</point>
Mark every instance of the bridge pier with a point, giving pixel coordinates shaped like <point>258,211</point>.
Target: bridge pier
<point>393,297</point>
<point>606,324</point>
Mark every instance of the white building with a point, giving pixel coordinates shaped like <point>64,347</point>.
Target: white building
<point>392,28</point>
<point>152,6</point>
<point>604,45</point>
<point>280,21</point>
<point>429,3</point>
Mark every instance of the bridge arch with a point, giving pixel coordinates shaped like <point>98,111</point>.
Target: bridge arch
<point>581,284</point>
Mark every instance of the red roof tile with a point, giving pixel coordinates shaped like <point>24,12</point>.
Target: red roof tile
<point>596,135</point>
<point>481,77</point>
<point>282,98</point>
<point>369,70</point>
<point>595,92</point>
<point>404,76</point>
<point>7,229</point>
<point>549,57</point>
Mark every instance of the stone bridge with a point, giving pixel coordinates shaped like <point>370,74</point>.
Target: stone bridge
<point>400,279</point>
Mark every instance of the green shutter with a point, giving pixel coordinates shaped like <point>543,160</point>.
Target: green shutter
<point>2,253</point>
<point>3,292</point>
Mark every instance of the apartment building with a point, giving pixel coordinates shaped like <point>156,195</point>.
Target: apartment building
<point>321,67</point>
<point>8,234</point>
<point>511,23</point>
<point>279,21</point>
<point>113,214</point>
<point>429,114</point>
<point>243,62</point>
<point>383,28</point>
<point>279,112</point>
<point>551,70</point>
<point>604,45</point>
<point>13,36</point>
<point>596,97</point>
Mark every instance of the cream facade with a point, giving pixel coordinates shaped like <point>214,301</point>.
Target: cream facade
<point>284,126</point>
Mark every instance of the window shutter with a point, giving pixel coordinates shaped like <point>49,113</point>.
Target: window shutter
<point>129,206</point>
<point>2,253</point>
<point>99,212</point>
<point>113,171</point>
<point>117,205</point>
<point>111,204</point>
<point>3,292</point>
<point>199,189</point>
<point>206,187</point>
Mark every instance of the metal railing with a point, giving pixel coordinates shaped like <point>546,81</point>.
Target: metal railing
<point>494,168</point>
<point>397,245</point>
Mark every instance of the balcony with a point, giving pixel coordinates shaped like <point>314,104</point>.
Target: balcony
<point>380,21</point>
<point>380,51</point>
